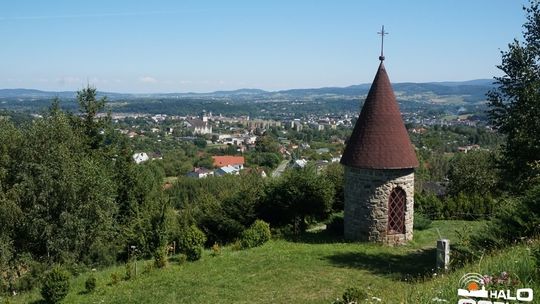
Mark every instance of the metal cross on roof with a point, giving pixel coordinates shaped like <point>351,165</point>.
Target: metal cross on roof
<point>382,33</point>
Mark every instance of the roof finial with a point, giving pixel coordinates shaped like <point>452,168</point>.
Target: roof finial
<point>382,33</point>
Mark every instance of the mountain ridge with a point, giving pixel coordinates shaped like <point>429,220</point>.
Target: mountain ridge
<point>440,88</point>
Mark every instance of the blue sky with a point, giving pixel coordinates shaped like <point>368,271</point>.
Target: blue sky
<point>181,46</point>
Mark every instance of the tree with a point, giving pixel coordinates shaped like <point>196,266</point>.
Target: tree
<point>263,159</point>
<point>301,196</point>
<point>472,173</point>
<point>266,143</point>
<point>90,106</point>
<point>515,103</point>
<point>334,173</point>
<point>200,142</point>
<point>66,195</point>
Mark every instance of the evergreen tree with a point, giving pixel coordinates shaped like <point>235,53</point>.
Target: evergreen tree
<point>90,107</point>
<point>515,103</point>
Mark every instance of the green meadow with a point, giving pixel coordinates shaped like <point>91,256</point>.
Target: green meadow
<point>313,268</point>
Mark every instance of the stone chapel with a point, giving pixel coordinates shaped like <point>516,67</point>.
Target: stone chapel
<point>379,162</point>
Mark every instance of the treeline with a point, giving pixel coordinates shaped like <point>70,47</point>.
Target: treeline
<point>71,194</point>
<point>458,186</point>
<point>223,207</point>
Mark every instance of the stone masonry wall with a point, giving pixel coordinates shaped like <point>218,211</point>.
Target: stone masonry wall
<point>366,204</point>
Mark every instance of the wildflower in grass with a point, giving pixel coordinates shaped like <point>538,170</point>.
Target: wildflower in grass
<point>439,300</point>
<point>486,280</point>
<point>504,279</point>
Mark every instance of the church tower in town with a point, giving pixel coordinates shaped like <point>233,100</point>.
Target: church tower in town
<point>379,162</point>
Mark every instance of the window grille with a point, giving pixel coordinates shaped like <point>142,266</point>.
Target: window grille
<point>396,211</point>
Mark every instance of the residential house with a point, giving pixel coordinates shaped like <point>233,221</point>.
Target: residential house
<point>140,157</point>
<point>468,148</point>
<point>200,173</point>
<point>227,160</point>
<point>299,163</point>
<point>227,170</point>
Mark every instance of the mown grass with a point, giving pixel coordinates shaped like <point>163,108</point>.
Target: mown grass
<point>314,268</point>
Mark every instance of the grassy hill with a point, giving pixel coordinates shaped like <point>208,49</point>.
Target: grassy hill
<point>314,268</point>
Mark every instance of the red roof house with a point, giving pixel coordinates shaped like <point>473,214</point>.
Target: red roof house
<point>226,160</point>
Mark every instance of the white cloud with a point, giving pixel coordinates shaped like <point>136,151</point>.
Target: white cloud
<point>147,79</point>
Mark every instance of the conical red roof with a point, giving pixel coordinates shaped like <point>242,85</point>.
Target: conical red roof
<point>379,139</point>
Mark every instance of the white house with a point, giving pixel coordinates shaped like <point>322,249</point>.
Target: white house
<point>140,157</point>
<point>200,173</point>
<point>299,163</point>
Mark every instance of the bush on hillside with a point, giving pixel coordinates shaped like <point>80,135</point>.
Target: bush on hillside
<point>160,257</point>
<point>115,278</point>
<point>32,278</point>
<point>460,206</point>
<point>352,295</point>
<point>90,283</point>
<point>515,220</point>
<point>55,286</point>
<point>421,222</point>
<point>256,235</point>
<point>221,207</point>
<point>192,243</point>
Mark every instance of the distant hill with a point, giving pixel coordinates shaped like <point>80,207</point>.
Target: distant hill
<point>476,82</point>
<point>37,94</point>
<point>453,92</point>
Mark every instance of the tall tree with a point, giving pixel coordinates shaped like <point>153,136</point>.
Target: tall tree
<point>90,107</point>
<point>515,103</point>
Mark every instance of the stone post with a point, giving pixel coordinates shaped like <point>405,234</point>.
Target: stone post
<point>443,254</point>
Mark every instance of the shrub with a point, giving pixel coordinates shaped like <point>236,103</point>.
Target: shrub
<point>55,286</point>
<point>90,283</point>
<point>335,224</point>
<point>33,277</point>
<point>101,254</point>
<point>216,249</point>
<point>421,222</point>
<point>182,258</point>
<point>192,243</point>
<point>115,278</point>
<point>160,257</point>
<point>352,295</point>
<point>461,255</point>
<point>515,219</point>
<point>129,270</point>
<point>256,235</point>
<point>194,253</point>
<point>148,267</point>
<point>236,246</point>
<point>459,206</point>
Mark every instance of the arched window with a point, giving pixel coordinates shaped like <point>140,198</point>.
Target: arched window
<point>396,211</point>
